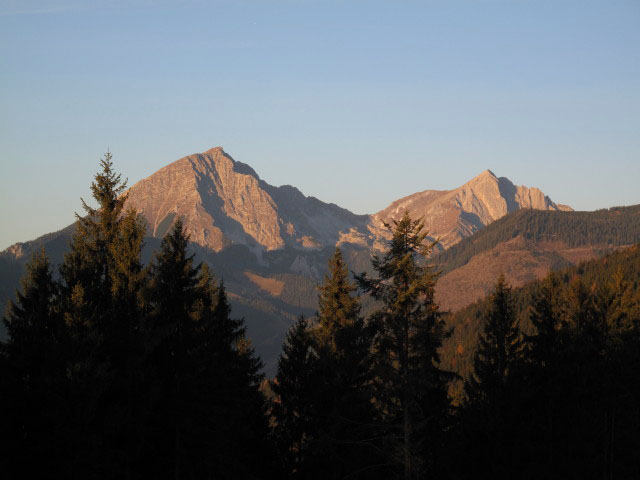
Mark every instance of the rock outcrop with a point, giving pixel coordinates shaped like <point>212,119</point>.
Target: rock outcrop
<point>451,215</point>
<point>224,202</point>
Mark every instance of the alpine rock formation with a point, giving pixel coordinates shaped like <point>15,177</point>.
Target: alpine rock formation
<point>451,215</point>
<point>224,202</point>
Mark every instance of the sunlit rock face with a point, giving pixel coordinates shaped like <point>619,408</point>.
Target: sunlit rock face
<point>224,202</point>
<point>451,215</point>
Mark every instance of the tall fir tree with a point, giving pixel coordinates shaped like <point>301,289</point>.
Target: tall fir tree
<point>33,377</point>
<point>231,429</point>
<point>409,329</point>
<point>294,406</point>
<point>499,349</point>
<point>207,414</point>
<point>102,276</point>
<point>347,439</point>
<point>171,331</point>
<point>338,434</point>
<point>491,386</point>
<point>544,315</point>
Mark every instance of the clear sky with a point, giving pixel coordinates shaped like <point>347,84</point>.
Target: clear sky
<point>354,102</point>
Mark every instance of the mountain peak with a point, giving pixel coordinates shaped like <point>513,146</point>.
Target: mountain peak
<point>485,175</point>
<point>454,214</point>
<point>215,150</point>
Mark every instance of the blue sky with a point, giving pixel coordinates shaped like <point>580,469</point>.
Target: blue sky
<point>354,102</point>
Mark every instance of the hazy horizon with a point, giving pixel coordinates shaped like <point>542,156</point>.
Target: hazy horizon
<point>355,104</point>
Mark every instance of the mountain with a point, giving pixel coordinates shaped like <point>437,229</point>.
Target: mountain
<point>452,215</point>
<point>271,244</point>
<point>224,203</point>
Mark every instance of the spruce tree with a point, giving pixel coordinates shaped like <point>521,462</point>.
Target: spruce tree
<point>544,345</point>
<point>492,388</point>
<point>542,378</point>
<point>499,349</point>
<point>411,388</point>
<point>171,332</point>
<point>232,410</point>
<point>33,380</point>
<point>102,277</point>
<point>294,407</point>
<point>337,430</point>
<point>207,413</point>
<point>342,342</point>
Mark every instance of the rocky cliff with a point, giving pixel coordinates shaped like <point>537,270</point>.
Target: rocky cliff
<point>224,203</point>
<point>452,215</point>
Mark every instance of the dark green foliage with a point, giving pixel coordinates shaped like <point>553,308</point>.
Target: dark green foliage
<point>33,369</point>
<point>207,415</point>
<point>323,409</point>
<point>492,388</point>
<point>294,408</point>
<point>499,350</point>
<point>101,279</point>
<point>607,227</point>
<point>125,372</point>
<point>570,403</point>
<point>411,389</point>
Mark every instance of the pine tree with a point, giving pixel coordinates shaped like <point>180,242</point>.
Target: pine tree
<point>499,350</point>
<point>544,315</point>
<point>542,378</point>
<point>411,389</point>
<point>33,379</point>
<point>171,332</point>
<point>208,415</point>
<point>493,397</point>
<point>226,390</point>
<point>341,444</point>
<point>92,260</point>
<point>294,408</point>
<point>102,277</point>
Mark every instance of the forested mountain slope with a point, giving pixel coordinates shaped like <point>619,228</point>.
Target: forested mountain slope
<point>525,245</point>
<point>597,275</point>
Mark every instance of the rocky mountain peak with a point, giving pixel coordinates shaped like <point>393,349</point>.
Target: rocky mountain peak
<point>224,202</point>
<point>451,215</point>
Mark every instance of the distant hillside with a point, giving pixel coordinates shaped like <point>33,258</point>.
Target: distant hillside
<point>458,351</point>
<point>525,245</point>
<point>613,226</point>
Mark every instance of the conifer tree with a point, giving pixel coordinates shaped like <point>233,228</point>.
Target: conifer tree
<point>208,415</point>
<point>499,349</point>
<point>33,378</point>
<point>411,388</point>
<point>492,390</point>
<point>294,409</point>
<point>171,332</point>
<point>226,390</point>
<point>343,443</point>
<point>542,378</point>
<point>101,279</point>
<point>545,318</point>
